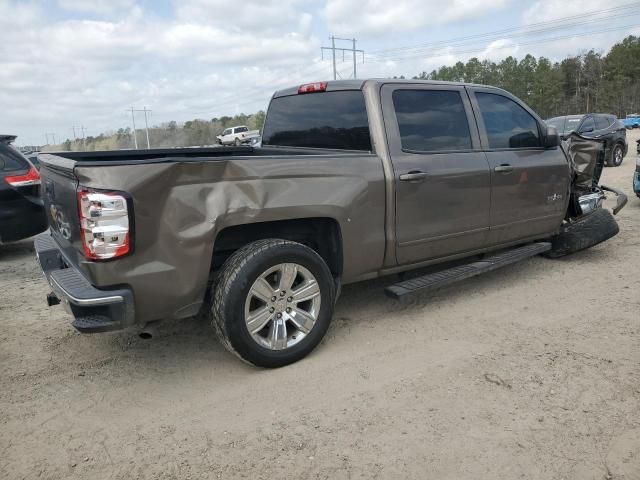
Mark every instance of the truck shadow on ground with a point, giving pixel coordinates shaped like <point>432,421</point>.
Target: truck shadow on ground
<point>191,343</point>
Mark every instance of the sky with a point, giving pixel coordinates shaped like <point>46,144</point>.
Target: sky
<point>66,63</point>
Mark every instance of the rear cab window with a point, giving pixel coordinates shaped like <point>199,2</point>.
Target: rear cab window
<point>333,119</point>
<point>507,124</point>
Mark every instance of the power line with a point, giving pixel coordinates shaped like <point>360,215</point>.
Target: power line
<point>489,38</point>
<point>479,49</point>
<point>547,24</point>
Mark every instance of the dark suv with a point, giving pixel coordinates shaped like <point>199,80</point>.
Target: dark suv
<point>21,207</point>
<point>602,126</point>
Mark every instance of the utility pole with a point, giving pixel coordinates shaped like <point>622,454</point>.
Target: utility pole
<point>133,120</point>
<point>84,144</point>
<point>354,57</point>
<point>146,124</point>
<point>333,49</point>
<point>333,52</point>
<point>53,136</point>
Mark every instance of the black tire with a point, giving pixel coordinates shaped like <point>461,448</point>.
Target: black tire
<point>583,233</point>
<point>617,155</point>
<point>237,142</point>
<point>233,284</point>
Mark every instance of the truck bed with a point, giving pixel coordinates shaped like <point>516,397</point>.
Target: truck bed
<point>156,155</point>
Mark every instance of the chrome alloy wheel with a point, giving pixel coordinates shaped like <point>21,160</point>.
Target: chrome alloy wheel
<point>282,306</point>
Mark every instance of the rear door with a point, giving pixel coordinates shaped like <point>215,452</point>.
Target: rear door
<point>529,184</point>
<point>441,175</point>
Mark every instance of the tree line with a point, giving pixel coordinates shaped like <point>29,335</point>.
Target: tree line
<point>589,82</point>
<point>166,135</point>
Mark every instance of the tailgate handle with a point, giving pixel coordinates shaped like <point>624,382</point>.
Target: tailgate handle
<point>413,176</point>
<point>504,168</point>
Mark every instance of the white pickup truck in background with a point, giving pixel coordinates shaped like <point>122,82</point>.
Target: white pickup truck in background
<point>237,135</point>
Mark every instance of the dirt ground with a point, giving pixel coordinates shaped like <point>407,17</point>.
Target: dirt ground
<point>531,372</point>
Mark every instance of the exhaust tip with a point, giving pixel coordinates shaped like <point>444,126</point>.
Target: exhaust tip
<point>148,331</point>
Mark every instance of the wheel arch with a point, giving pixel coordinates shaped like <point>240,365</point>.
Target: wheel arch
<point>321,234</point>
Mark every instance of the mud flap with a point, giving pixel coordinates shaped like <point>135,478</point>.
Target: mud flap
<point>583,233</point>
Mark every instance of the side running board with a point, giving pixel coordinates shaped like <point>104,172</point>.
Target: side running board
<point>434,281</point>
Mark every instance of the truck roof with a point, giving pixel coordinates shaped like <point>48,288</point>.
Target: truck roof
<point>336,85</point>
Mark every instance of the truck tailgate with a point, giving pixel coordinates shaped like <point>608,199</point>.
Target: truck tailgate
<point>59,192</point>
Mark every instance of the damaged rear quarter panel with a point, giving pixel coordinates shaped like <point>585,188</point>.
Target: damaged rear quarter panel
<point>181,205</point>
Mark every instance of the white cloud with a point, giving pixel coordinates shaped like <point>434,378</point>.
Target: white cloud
<point>58,73</point>
<point>254,15</point>
<point>547,10</point>
<point>97,6</point>
<point>384,16</point>
<point>499,49</point>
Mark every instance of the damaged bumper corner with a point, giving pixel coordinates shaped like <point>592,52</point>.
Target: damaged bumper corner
<point>621,198</point>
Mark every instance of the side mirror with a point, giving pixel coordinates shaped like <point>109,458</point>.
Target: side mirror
<point>586,130</point>
<point>551,139</point>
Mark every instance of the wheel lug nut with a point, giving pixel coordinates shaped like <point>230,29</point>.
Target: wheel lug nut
<point>282,294</point>
<point>273,299</point>
<point>272,309</point>
<point>290,299</point>
<point>288,309</point>
<point>279,315</point>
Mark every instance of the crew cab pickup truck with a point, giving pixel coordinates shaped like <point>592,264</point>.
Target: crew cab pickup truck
<point>354,180</point>
<point>237,136</point>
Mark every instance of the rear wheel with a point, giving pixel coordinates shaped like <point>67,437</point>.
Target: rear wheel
<point>273,302</point>
<point>617,155</point>
<point>583,233</point>
<point>237,142</point>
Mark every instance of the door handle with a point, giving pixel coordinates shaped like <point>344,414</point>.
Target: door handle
<point>505,168</point>
<point>413,176</point>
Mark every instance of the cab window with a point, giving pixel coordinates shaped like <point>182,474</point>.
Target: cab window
<point>507,124</point>
<point>431,120</point>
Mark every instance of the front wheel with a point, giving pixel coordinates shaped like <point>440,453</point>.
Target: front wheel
<point>583,233</point>
<point>237,142</point>
<point>273,302</point>
<point>617,154</point>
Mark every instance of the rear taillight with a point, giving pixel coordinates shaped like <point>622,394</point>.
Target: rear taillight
<point>313,87</point>
<point>104,224</point>
<point>32,177</point>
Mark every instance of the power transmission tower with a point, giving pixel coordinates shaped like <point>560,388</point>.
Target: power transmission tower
<point>333,49</point>
<point>84,144</point>
<point>53,136</point>
<point>75,136</point>
<point>146,125</point>
<point>133,120</point>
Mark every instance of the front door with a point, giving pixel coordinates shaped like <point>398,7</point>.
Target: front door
<point>529,184</point>
<point>441,175</point>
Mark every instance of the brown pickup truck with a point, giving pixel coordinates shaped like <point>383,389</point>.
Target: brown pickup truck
<point>354,180</point>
